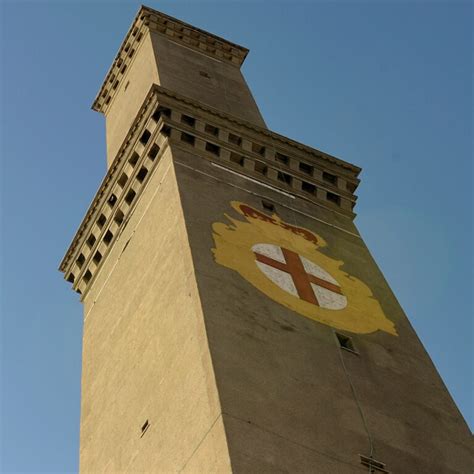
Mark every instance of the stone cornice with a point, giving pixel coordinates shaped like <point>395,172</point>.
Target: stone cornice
<point>315,153</point>
<point>168,119</point>
<point>112,173</point>
<point>176,30</point>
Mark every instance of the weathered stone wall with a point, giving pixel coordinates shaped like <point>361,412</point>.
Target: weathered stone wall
<point>286,396</point>
<point>145,353</point>
<point>208,80</point>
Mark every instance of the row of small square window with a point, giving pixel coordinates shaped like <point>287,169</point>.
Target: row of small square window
<point>237,140</point>
<point>123,179</point>
<point>108,236</point>
<point>211,130</point>
<point>256,148</point>
<point>261,168</point>
<point>129,51</point>
<point>302,166</point>
<point>286,178</point>
<point>105,93</point>
<point>119,215</point>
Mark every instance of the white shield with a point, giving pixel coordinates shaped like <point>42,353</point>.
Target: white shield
<point>325,288</point>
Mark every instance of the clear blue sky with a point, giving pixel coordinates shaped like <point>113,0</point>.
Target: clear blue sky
<point>384,85</point>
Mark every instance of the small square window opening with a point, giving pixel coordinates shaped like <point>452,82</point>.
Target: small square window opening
<point>345,342</point>
<point>145,137</point>
<point>112,200</point>
<point>122,180</point>
<point>80,260</point>
<point>141,175</point>
<point>101,221</point>
<point>211,129</point>
<point>119,217</point>
<point>260,149</point>
<point>334,198</point>
<point>308,187</point>
<point>166,131</point>
<point>268,206</point>
<point>153,151</point>
<point>261,168</point>
<point>282,159</point>
<point>286,178</point>
<point>235,139</point>
<point>330,178</point>
<point>91,240</point>
<point>187,120</point>
<point>187,138</point>
<point>97,257</point>
<point>214,149</point>
<point>305,168</point>
<point>237,159</point>
<point>134,158</point>
<point>130,196</point>
<point>108,237</point>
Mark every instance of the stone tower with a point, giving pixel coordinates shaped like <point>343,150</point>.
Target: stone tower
<point>234,320</point>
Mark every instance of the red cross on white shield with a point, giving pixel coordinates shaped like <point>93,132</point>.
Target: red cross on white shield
<point>299,276</point>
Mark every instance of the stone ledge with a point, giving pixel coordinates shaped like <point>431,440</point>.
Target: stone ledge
<point>176,30</point>
<point>166,118</point>
<point>314,155</point>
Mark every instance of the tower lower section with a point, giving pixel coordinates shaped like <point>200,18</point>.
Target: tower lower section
<point>149,398</point>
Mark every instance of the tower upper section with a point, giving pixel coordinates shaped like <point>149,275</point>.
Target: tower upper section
<point>173,86</point>
<point>162,50</point>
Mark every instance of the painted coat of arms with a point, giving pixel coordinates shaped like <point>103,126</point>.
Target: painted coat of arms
<point>285,263</point>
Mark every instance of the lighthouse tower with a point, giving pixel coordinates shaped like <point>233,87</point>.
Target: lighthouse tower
<point>234,319</point>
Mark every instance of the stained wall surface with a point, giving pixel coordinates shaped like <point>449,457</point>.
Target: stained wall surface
<point>145,352</point>
<point>206,79</point>
<point>291,398</point>
<point>161,61</point>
